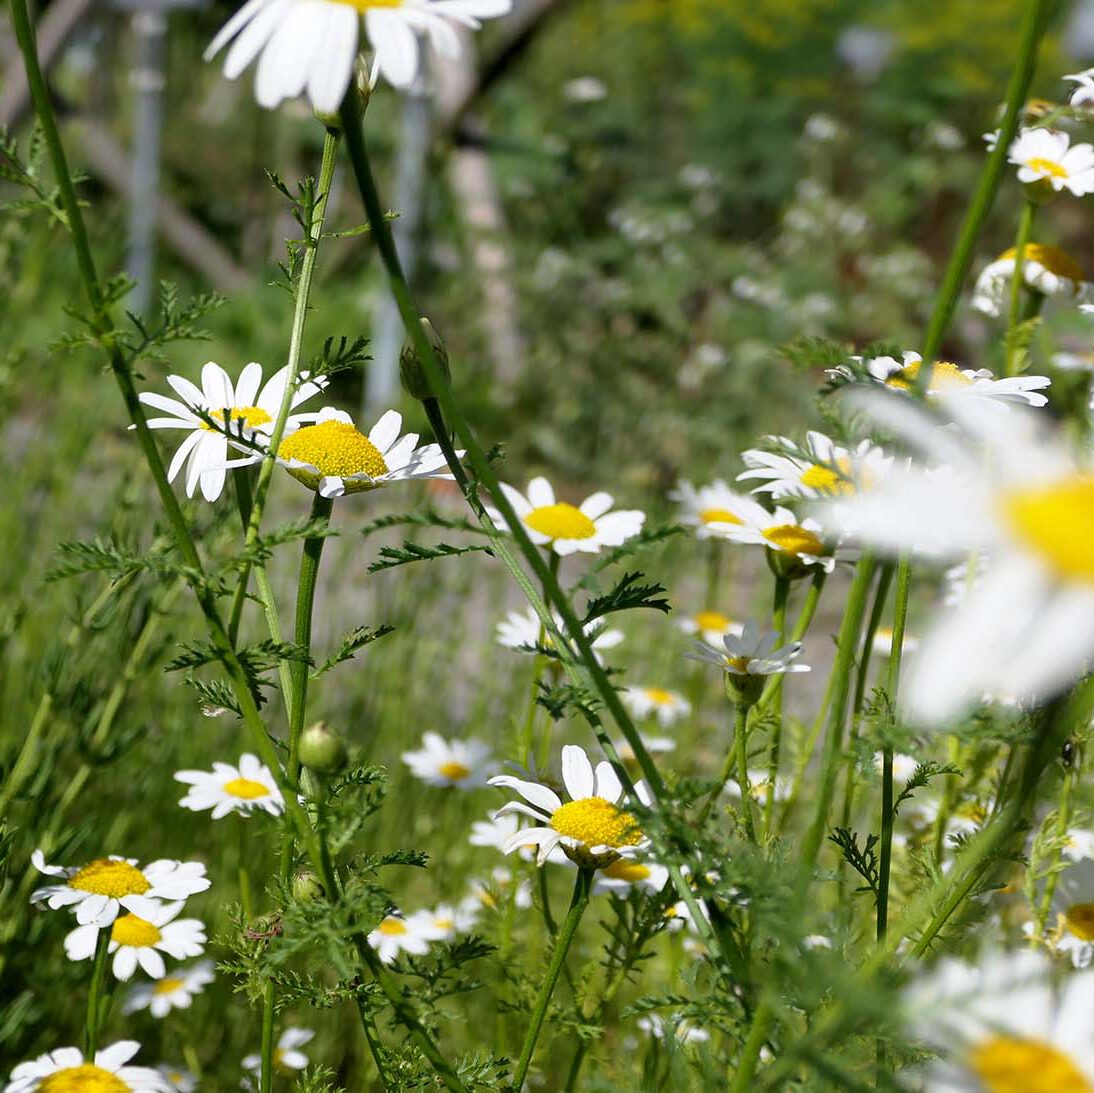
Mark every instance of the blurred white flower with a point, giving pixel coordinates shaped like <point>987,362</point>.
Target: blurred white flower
<point>175,991</point>
<point>287,1054</point>
<point>817,468</point>
<point>520,630</point>
<point>410,934</point>
<point>465,764</point>
<point>1047,270</point>
<point>667,706</point>
<point>585,89</point>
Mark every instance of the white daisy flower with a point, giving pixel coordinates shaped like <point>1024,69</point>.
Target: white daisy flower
<point>440,762</point>
<point>961,579</point>
<point>1047,155</point>
<point>1005,1025</point>
<point>590,826</point>
<point>753,653</point>
<point>759,785</point>
<point>66,1069</point>
<point>1016,494</point>
<point>780,531</point>
<point>818,468</point>
<point>450,920</point>
<point>668,707</point>
<point>496,832</point>
<point>490,893</point>
<point>1083,95</point>
<point>653,1024</point>
<point>226,789</point>
<point>627,873</point>
<point>1071,921</point>
<point>882,645</point>
<point>334,459</point>
<point>904,766</point>
<point>240,406</point>
<point>655,745</point>
<point>566,528</point>
<point>1047,270</point>
<point>102,889</point>
<point>520,630</point>
<point>173,992</point>
<point>707,508</point>
<point>287,1054</point>
<point>711,626</point>
<point>311,45</point>
<point>410,934</point>
<point>1080,844</point>
<point>135,940</point>
<point>680,917</point>
<point>178,1078</point>
<point>1073,362</point>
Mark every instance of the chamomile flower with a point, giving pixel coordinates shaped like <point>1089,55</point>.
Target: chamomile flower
<point>627,873</point>
<point>520,630</point>
<point>135,940</point>
<point>1004,1025</point>
<point>904,766</point>
<point>246,405</point>
<point>1046,270</point>
<point>566,528</point>
<point>653,1024</point>
<point>287,1054</point>
<point>655,745</point>
<point>410,934</point>
<point>801,541</point>
<point>500,887</point>
<point>100,890</point>
<point>711,626</point>
<point>66,1069</point>
<point>1015,493</point>
<point>334,459</point>
<point>590,827</point>
<point>1083,95</point>
<point>441,762</point>
<point>1079,845</point>
<point>707,508</point>
<point>759,787</point>
<point>668,707</point>
<point>450,920</point>
<point>817,468</point>
<point>173,992</point>
<point>311,45</point>
<point>752,653</point>
<point>882,644</point>
<point>1071,917</point>
<point>1047,155</point>
<point>178,1078</point>
<point>495,831</point>
<point>226,789</point>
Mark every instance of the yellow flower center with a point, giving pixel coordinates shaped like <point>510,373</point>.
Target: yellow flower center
<point>829,479</point>
<point>444,923</point>
<point>740,663</point>
<point>561,521</point>
<point>166,986</point>
<point>659,696</point>
<point>246,788</point>
<point>249,416</point>
<point>135,932</point>
<point>945,376</point>
<point>1047,167</point>
<point>454,771</point>
<point>794,539</point>
<point>593,821</point>
<point>84,1078</point>
<point>1080,920</point>
<point>334,448</point>
<point>1008,1065</point>
<point>1058,523</point>
<point>712,620</point>
<point>630,871</point>
<point>718,516</point>
<point>104,877</point>
<point>364,5</point>
<point>1054,259</point>
<point>392,927</point>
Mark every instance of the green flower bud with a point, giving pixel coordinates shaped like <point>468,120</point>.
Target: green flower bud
<point>744,690</point>
<point>306,887</point>
<point>415,380</point>
<point>322,750</point>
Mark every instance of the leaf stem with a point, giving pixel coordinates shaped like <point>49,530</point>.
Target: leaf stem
<point>1014,314</point>
<point>95,993</point>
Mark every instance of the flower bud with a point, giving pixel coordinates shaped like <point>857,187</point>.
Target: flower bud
<point>743,690</point>
<point>306,887</point>
<point>322,749</point>
<point>415,380</point>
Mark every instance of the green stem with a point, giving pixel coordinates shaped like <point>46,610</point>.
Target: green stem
<point>96,991</point>
<point>778,619</point>
<point>578,903</point>
<point>242,872</point>
<point>885,866</point>
<point>267,1051</point>
<point>1063,819</point>
<point>740,746</point>
<point>730,764</point>
<point>762,1021</point>
<point>1014,315</point>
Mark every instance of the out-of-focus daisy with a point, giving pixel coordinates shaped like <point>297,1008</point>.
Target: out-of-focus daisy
<point>711,626</point>
<point>1016,494</point>
<point>1046,270</point>
<point>753,653</point>
<point>441,762</point>
<point>817,468</point>
<point>173,992</point>
<point>241,407</point>
<point>653,744</point>
<point>334,459</point>
<point>759,785</point>
<point>287,1054</point>
<point>667,706</point>
<point>707,507</point>
<point>139,941</point>
<point>450,920</point>
<point>178,1078</point>
<point>311,45</point>
<point>904,766</point>
<point>1071,922</point>
<point>962,578</point>
<point>627,873</point>
<point>1079,845</point>
<point>653,1024</point>
<point>410,934</point>
<point>496,832</point>
<point>590,827</point>
<point>585,89</point>
<point>566,528</point>
<point>520,630</point>
<point>1047,155</point>
<point>102,889</point>
<point>800,540</point>
<point>66,1069</point>
<point>227,789</point>
<point>1073,362</point>
<point>1083,95</point>
<point>882,645</point>
<point>1004,1025</point>
<point>489,894</point>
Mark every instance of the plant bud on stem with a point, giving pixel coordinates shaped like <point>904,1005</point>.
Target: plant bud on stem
<point>415,382</point>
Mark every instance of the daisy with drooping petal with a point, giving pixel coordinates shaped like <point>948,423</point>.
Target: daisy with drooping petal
<point>287,1054</point>
<point>240,406</point>
<point>102,889</point>
<point>178,1078</point>
<point>226,789</point>
<point>521,631</point>
<point>310,46</point>
<point>707,507</point>
<point>174,992</point>
<point>667,706</point>
<point>818,468</point>
<point>591,827</point>
<point>334,459</point>
<point>800,540</point>
<point>1047,155</point>
<point>65,1069</point>
<point>711,626</point>
<point>1046,270</point>
<point>566,528</point>
<point>753,653</point>
<point>1005,1024</point>
<point>440,762</point>
<point>136,940</point>
<point>410,934</point>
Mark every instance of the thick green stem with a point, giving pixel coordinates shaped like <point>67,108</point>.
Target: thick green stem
<point>265,1080</point>
<point>1014,314</point>
<point>885,866</point>
<point>96,992</point>
<point>762,1021</point>
<point>778,619</point>
<point>740,746</point>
